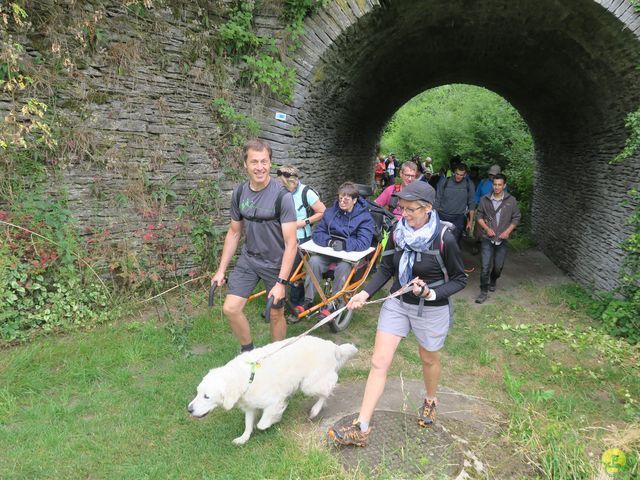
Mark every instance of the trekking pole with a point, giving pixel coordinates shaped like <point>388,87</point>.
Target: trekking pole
<point>212,290</point>
<point>267,311</point>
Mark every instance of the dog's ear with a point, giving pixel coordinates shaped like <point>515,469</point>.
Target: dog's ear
<point>231,393</point>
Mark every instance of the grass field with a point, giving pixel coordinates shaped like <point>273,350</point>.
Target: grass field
<point>110,403</point>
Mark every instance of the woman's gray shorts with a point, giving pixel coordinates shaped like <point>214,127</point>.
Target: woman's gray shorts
<point>399,318</point>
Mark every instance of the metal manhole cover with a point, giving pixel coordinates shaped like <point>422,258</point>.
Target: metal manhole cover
<point>400,449</point>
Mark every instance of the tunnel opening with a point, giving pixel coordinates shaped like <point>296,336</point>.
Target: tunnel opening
<point>471,124</point>
<point>568,67</point>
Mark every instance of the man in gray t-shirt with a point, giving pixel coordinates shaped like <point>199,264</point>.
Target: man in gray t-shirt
<point>455,198</point>
<point>266,211</point>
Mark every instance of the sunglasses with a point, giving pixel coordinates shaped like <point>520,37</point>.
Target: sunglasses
<point>280,173</point>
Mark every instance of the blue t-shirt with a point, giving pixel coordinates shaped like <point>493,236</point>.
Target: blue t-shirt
<point>301,212</point>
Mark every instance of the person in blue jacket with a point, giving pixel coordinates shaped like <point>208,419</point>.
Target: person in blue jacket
<point>486,184</point>
<point>347,225</point>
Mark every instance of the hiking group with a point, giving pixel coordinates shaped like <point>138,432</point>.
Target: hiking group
<point>422,256</point>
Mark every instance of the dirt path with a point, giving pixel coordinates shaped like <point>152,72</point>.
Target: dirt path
<point>471,426</point>
<point>529,266</point>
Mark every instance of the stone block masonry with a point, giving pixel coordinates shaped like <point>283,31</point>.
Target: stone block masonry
<point>569,67</point>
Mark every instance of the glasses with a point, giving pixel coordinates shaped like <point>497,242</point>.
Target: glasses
<point>408,175</point>
<point>280,173</point>
<point>408,209</point>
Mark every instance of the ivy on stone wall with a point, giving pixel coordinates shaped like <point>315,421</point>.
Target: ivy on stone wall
<point>265,65</point>
<point>294,13</point>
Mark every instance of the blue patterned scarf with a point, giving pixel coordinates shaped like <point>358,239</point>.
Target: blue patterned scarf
<point>413,241</point>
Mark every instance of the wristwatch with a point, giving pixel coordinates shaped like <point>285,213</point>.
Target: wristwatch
<point>307,222</point>
<point>282,281</point>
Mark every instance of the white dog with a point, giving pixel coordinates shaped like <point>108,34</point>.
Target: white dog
<point>264,380</point>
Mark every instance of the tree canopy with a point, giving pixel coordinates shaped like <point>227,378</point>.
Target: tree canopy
<point>470,122</point>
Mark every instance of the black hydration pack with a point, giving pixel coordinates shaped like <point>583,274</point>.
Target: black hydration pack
<point>276,212</point>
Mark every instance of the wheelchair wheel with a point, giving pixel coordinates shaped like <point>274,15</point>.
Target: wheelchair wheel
<point>341,322</point>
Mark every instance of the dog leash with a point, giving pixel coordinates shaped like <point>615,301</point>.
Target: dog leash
<point>256,363</point>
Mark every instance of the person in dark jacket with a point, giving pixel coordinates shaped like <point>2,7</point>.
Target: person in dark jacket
<point>348,226</point>
<point>426,254</point>
<point>498,217</point>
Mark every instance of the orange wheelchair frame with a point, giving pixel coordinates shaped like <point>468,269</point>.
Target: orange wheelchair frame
<point>354,280</point>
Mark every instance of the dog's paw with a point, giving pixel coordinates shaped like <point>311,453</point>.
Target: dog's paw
<point>264,424</point>
<point>241,440</point>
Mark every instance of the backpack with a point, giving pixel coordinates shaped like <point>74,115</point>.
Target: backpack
<point>393,203</point>
<point>276,212</point>
<point>466,179</point>
<point>438,253</point>
<point>305,200</point>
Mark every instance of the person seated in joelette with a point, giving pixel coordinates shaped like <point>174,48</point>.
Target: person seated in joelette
<point>346,226</point>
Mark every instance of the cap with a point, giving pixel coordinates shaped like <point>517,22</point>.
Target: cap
<point>494,170</point>
<point>417,190</point>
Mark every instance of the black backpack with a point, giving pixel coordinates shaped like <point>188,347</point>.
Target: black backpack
<point>277,210</point>
<point>305,200</point>
<point>466,179</point>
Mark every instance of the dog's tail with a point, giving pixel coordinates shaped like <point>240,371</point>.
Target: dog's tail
<point>344,352</point>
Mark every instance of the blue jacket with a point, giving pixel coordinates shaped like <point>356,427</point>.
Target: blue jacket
<point>355,227</point>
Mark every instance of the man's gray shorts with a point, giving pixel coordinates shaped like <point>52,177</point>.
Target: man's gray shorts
<point>246,274</point>
<point>399,318</point>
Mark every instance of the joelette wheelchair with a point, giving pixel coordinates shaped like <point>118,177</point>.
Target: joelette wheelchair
<point>362,264</point>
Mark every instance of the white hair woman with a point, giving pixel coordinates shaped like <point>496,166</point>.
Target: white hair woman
<point>425,252</point>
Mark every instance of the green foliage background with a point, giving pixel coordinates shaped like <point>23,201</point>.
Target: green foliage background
<point>467,121</point>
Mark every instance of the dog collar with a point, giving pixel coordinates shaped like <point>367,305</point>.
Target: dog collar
<point>254,366</point>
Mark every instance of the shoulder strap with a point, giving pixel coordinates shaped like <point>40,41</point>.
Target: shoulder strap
<point>237,196</point>
<point>439,256</point>
<point>278,208</point>
<point>305,200</point>
<point>393,202</point>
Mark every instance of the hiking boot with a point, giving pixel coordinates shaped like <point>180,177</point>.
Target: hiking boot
<point>350,435</point>
<point>324,312</point>
<point>492,286</point>
<point>482,297</point>
<point>427,413</point>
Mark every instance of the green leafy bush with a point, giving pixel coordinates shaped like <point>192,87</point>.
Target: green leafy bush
<point>472,123</point>
<point>265,63</point>
<point>632,145</point>
<point>267,71</point>
<point>42,285</point>
<point>237,33</point>
<point>621,316</point>
<point>206,237</point>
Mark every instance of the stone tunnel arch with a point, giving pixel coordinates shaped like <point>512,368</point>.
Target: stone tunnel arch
<point>568,66</point>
